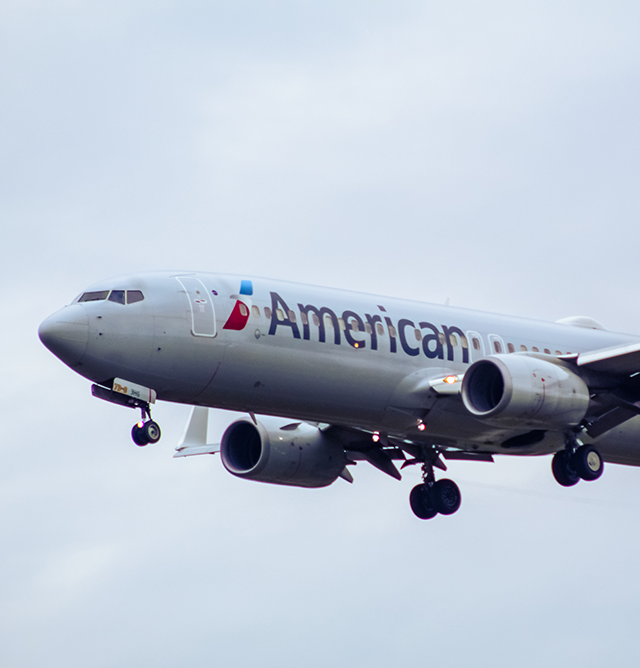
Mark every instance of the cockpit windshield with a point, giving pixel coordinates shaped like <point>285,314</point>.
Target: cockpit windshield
<point>94,296</point>
<point>117,296</point>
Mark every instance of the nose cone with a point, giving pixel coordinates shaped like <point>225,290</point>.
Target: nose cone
<point>66,333</point>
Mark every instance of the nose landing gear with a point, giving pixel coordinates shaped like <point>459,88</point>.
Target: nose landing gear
<point>432,497</point>
<point>146,431</point>
<point>125,393</point>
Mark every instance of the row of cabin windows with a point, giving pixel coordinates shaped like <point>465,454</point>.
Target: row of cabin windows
<point>512,349</point>
<point>355,327</point>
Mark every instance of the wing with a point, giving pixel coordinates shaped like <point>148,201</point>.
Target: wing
<point>619,400</point>
<point>617,360</point>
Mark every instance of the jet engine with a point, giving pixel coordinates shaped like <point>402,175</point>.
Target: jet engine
<point>283,453</point>
<point>515,391</point>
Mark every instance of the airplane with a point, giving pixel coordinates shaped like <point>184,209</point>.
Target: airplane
<point>329,378</point>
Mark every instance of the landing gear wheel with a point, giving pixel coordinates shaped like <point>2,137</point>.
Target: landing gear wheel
<point>151,431</point>
<point>138,435</point>
<point>563,469</point>
<point>446,496</point>
<point>587,462</point>
<point>420,500</point>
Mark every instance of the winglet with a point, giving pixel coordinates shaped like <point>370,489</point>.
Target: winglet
<point>194,436</point>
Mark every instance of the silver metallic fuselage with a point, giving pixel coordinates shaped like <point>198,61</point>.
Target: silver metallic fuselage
<point>276,364</point>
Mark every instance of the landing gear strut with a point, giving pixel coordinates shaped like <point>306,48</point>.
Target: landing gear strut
<point>576,462</point>
<point>433,497</point>
<point>146,431</point>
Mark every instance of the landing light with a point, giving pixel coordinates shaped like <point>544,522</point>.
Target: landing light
<point>422,426</point>
<point>450,380</point>
<point>376,436</point>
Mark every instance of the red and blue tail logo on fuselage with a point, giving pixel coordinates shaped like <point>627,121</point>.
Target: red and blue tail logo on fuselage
<point>242,308</point>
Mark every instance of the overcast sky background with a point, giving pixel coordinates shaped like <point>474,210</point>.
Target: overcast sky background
<point>486,152</point>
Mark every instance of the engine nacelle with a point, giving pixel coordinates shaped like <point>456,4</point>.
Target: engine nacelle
<point>521,391</point>
<point>283,453</point>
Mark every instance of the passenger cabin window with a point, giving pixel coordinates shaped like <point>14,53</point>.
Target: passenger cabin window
<point>256,311</point>
<point>418,334</point>
<point>476,343</point>
<point>267,313</point>
<point>497,347</point>
<point>511,347</point>
<point>380,329</point>
<point>546,350</point>
<point>535,350</point>
<point>523,349</point>
<point>558,352</point>
<point>316,320</point>
<point>304,318</point>
<point>292,316</point>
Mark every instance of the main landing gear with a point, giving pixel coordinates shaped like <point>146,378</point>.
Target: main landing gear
<point>576,462</point>
<point>146,431</point>
<point>433,497</point>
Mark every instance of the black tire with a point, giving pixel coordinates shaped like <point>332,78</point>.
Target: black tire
<point>152,431</point>
<point>587,463</point>
<point>138,435</point>
<point>420,500</point>
<point>446,496</point>
<point>563,469</point>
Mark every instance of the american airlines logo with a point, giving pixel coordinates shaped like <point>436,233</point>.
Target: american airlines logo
<point>370,330</point>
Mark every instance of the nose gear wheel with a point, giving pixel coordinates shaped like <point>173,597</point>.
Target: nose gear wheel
<point>147,430</point>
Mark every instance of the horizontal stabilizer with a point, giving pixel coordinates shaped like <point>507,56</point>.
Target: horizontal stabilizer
<point>194,436</point>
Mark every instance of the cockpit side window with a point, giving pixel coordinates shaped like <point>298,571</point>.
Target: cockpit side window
<point>134,296</point>
<point>117,296</point>
<point>94,296</point>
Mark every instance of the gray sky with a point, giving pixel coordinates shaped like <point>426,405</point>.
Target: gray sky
<point>482,152</point>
